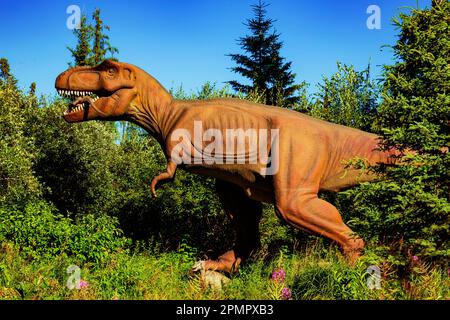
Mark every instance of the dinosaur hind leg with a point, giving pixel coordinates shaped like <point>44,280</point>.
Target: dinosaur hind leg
<point>307,211</point>
<point>245,215</point>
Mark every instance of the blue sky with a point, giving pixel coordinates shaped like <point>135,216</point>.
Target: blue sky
<point>186,42</point>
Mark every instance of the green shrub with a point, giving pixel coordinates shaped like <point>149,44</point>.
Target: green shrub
<point>348,97</point>
<point>408,213</point>
<point>17,180</point>
<point>73,161</point>
<point>41,232</point>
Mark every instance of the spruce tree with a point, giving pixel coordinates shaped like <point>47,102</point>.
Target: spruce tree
<point>101,45</point>
<point>92,42</point>
<point>83,50</point>
<point>32,89</point>
<point>409,212</point>
<point>5,72</point>
<point>262,63</point>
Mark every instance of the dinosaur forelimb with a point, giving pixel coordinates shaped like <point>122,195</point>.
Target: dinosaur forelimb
<point>167,175</point>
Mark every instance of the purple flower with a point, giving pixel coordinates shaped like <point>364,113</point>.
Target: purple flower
<point>286,293</point>
<point>415,258</point>
<point>278,275</point>
<point>82,284</point>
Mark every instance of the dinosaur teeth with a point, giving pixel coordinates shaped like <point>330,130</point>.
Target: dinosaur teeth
<point>73,95</point>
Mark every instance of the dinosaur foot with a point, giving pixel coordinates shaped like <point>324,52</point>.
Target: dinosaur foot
<point>225,263</point>
<point>353,250</point>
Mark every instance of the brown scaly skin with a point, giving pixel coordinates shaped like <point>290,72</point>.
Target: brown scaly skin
<point>311,153</point>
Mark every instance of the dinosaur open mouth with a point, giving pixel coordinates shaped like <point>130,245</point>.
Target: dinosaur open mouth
<point>80,100</point>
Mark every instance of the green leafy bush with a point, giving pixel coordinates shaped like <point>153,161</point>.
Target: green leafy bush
<point>73,162</point>
<point>348,97</point>
<point>41,232</point>
<point>17,180</point>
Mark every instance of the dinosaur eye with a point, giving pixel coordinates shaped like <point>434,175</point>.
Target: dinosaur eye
<point>111,72</point>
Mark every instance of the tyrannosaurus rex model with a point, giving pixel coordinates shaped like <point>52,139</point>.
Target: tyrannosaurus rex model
<point>257,153</point>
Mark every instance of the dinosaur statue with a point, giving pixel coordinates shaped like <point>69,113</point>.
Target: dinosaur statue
<point>309,154</point>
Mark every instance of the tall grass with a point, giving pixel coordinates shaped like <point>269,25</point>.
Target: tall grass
<point>316,273</point>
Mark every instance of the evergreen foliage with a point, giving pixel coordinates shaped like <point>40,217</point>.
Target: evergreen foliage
<point>93,43</point>
<point>82,51</point>
<point>263,64</point>
<point>408,213</point>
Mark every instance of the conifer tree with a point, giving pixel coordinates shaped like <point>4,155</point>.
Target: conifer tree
<point>101,44</point>
<point>5,73</point>
<point>263,64</point>
<point>410,210</point>
<point>33,89</point>
<point>83,50</point>
<point>4,69</point>
<point>92,42</point>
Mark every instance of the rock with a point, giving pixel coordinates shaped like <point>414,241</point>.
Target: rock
<point>209,278</point>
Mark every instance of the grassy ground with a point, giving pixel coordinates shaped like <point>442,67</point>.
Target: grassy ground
<point>317,273</point>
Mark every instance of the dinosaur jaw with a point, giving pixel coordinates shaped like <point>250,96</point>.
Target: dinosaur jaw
<point>81,103</point>
<point>90,105</point>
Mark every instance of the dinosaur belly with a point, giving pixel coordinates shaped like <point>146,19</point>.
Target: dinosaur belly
<point>248,179</point>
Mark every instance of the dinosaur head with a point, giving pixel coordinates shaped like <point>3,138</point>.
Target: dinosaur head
<point>103,92</point>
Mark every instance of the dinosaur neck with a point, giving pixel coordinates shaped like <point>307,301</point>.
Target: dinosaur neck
<point>152,107</point>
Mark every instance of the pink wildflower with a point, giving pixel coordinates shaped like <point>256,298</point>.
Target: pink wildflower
<point>278,275</point>
<point>82,284</point>
<point>286,294</point>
